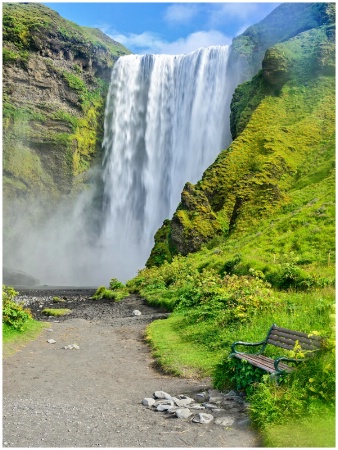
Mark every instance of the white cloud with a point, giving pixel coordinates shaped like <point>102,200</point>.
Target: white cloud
<point>180,13</point>
<point>151,43</point>
<point>235,11</point>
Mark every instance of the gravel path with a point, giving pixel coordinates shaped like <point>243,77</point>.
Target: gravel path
<point>92,397</point>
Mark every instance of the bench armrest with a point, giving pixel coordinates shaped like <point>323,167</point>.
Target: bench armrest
<point>284,358</point>
<point>249,344</point>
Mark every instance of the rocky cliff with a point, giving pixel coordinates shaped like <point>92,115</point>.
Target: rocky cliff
<point>283,122</point>
<point>55,80</point>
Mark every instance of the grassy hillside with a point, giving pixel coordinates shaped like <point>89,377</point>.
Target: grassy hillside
<point>253,243</point>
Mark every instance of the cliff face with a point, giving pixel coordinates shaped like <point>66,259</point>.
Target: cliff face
<point>55,80</point>
<point>283,121</point>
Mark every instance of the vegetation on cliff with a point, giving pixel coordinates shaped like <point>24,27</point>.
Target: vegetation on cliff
<point>56,77</point>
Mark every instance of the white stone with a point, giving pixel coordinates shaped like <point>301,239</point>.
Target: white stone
<point>148,401</point>
<point>162,394</point>
<point>181,402</point>
<point>203,418</point>
<point>51,341</point>
<point>164,407</point>
<point>183,413</point>
<point>225,421</point>
<point>136,312</point>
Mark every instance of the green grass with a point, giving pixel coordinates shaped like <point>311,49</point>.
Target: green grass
<point>181,346</point>
<point>56,312</point>
<point>314,431</point>
<point>178,355</point>
<point>14,340</point>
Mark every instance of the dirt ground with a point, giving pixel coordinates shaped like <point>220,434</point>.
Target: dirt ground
<point>91,397</point>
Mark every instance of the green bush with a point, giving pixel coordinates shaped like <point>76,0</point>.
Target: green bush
<point>236,374</point>
<point>103,292</point>
<point>13,314</point>
<point>115,284</point>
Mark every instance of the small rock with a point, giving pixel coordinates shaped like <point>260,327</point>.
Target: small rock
<point>136,312</point>
<point>183,413</point>
<point>203,395</point>
<point>71,347</point>
<point>217,410</point>
<point>181,402</point>
<point>216,399</point>
<point>165,406</point>
<point>210,405</point>
<point>231,395</point>
<point>49,329</point>
<point>244,423</point>
<point>225,421</point>
<point>51,341</point>
<point>203,418</point>
<point>162,394</point>
<point>196,406</point>
<point>148,401</point>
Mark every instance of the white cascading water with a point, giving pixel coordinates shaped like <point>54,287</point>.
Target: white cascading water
<point>166,120</point>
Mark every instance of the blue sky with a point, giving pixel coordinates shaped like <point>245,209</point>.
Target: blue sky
<point>171,28</point>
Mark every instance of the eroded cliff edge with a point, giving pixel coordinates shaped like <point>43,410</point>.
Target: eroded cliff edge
<point>55,81</point>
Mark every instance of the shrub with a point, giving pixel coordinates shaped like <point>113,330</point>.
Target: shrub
<point>115,284</point>
<point>13,314</point>
<point>236,374</point>
<point>103,292</point>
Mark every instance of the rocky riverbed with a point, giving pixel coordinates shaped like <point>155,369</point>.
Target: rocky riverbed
<point>93,395</point>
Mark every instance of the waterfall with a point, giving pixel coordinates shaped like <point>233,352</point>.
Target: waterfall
<point>166,120</point>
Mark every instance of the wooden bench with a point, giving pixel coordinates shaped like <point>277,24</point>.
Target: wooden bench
<point>278,337</point>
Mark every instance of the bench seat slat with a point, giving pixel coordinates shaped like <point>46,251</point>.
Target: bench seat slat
<point>263,362</point>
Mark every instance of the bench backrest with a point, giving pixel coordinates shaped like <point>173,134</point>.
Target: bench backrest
<point>284,338</point>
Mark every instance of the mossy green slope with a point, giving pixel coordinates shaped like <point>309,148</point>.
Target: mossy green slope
<point>280,168</point>
<point>56,77</point>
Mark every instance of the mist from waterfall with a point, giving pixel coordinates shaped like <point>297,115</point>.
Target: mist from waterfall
<point>166,120</point>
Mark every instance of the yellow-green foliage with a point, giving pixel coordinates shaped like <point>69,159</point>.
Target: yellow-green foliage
<point>14,315</point>
<point>56,312</point>
<point>85,140</point>
<point>25,164</point>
